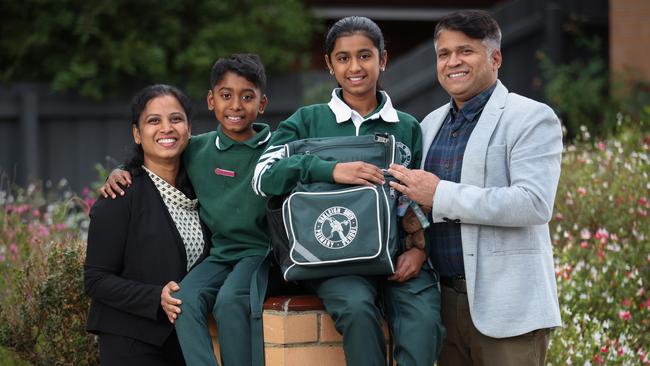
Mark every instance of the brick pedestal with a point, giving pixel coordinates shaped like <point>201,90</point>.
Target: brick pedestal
<point>298,332</point>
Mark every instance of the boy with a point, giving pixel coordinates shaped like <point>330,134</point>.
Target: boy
<point>220,165</point>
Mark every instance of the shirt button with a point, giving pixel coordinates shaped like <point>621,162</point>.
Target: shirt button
<point>455,134</point>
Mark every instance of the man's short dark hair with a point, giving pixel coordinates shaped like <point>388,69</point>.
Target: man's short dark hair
<point>247,65</point>
<point>475,24</point>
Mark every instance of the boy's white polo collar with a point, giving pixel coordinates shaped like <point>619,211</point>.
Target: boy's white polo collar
<point>344,113</point>
<point>263,134</point>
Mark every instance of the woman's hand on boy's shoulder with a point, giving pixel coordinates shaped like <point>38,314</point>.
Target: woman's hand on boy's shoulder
<point>116,180</point>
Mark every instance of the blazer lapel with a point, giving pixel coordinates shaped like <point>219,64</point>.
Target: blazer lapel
<point>473,171</point>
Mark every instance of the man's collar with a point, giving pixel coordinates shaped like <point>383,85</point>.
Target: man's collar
<point>263,134</point>
<point>475,105</point>
<point>343,112</point>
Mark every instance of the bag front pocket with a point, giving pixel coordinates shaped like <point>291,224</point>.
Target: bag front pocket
<point>337,226</point>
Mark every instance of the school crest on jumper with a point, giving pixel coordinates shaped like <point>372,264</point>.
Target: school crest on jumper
<point>405,153</point>
<point>336,227</point>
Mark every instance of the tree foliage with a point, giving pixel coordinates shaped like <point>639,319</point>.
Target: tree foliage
<point>99,48</point>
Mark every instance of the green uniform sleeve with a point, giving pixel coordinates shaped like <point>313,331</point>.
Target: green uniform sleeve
<point>277,174</point>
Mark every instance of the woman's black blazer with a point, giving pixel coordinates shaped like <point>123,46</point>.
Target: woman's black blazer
<point>134,249</point>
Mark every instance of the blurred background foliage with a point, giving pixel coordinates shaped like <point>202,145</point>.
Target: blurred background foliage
<point>585,93</point>
<point>99,48</point>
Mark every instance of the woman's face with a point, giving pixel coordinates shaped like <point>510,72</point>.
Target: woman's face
<point>163,130</point>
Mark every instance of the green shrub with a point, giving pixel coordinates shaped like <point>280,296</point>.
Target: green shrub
<point>42,249</point>
<point>585,93</point>
<point>602,252</point>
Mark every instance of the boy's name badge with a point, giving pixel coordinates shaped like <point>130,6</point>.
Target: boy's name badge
<point>224,172</point>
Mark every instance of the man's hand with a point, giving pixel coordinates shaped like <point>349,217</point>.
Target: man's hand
<point>169,304</point>
<point>116,180</point>
<point>418,185</point>
<point>409,264</point>
<point>357,172</point>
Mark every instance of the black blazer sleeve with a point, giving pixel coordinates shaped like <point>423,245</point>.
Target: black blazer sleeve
<point>107,240</point>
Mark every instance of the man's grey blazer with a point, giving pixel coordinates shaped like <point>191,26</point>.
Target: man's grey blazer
<point>504,202</point>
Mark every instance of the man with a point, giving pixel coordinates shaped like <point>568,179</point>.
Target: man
<point>490,177</point>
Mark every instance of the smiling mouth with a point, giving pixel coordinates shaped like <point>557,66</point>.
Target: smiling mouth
<point>167,141</point>
<point>356,79</point>
<point>457,74</point>
<point>234,118</point>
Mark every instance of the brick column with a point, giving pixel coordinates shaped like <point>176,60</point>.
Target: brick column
<point>629,37</point>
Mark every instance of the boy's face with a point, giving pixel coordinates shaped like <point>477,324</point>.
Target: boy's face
<point>236,103</point>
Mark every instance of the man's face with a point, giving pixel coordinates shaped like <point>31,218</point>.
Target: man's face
<point>464,66</point>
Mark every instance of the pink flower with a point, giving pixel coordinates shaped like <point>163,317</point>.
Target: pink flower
<point>85,191</point>
<point>620,351</point>
<point>602,235</point>
<point>643,213</point>
<point>36,213</point>
<point>585,234</point>
<point>559,216</point>
<point>43,231</point>
<point>21,208</point>
<point>13,248</point>
<point>625,315</point>
<point>627,302</point>
<point>598,359</point>
<point>2,257</point>
<point>584,245</point>
<point>643,201</point>
<point>601,146</point>
<point>647,303</point>
<point>581,191</point>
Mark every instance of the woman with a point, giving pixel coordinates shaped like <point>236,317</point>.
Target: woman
<point>140,245</point>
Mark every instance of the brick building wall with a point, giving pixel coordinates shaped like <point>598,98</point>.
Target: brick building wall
<point>629,37</point>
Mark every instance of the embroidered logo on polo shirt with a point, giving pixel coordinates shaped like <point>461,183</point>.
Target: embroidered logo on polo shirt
<point>336,227</point>
<point>405,153</point>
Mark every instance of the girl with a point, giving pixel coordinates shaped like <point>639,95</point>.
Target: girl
<point>355,55</point>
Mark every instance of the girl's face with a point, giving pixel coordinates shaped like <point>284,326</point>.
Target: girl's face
<point>356,64</point>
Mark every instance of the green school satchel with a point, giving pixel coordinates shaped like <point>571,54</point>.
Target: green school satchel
<point>324,230</point>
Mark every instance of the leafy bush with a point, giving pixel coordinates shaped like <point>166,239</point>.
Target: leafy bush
<point>102,48</point>
<point>585,93</point>
<point>42,307</point>
<point>602,250</point>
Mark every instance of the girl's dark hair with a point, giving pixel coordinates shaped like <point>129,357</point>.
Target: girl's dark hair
<point>138,104</point>
<point>351,25</point>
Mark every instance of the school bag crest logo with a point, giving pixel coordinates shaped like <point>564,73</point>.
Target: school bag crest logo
<point>336,227</point>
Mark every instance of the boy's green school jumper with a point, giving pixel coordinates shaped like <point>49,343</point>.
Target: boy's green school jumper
<point>412,308</point>
<point>230,283</point>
